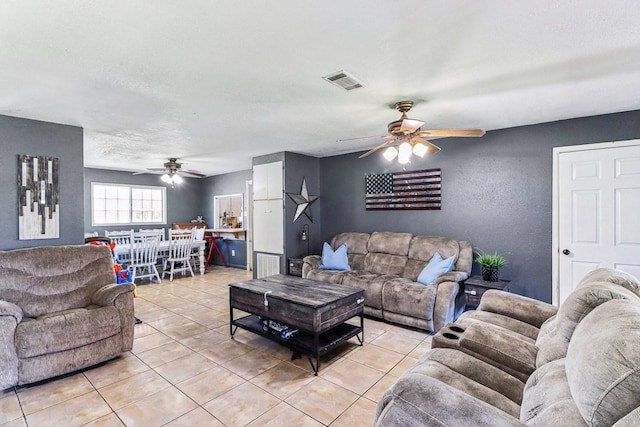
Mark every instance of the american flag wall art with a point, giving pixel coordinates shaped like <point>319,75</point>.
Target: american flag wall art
<point>417,190</point>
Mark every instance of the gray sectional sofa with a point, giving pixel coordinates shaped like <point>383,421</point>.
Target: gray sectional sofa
<point>386,265</point>
<point>60,310</point>
<point>520,362</point>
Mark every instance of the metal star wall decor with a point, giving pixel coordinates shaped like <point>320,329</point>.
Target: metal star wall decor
<point>303,201</point>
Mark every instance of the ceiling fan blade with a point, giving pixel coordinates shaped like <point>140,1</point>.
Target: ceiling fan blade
<point>432,148</point>
<point>362,137</point>
<point>373,150</point>
<point>150,170</point>
<point>410,125</point>
<point>192,172</point>
<point>452,132</point>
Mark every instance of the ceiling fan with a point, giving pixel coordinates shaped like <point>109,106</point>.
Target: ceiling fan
<point>407,133</point>
<point>172,171</point>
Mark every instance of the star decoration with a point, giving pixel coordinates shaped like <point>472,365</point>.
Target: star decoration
<point>303,201</point>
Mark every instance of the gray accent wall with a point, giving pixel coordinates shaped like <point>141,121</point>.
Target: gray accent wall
<point>33,137</point>
<point>496,192</point>
<point>297,167</point>
<point>184,201</point>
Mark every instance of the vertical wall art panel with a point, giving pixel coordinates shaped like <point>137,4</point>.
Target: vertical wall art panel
<point>39,201</point>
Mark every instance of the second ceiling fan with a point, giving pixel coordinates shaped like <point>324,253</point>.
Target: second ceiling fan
<point>172,171</point>
<point>407,133</point>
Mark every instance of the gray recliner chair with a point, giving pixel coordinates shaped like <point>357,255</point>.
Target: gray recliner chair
<point>60,310</point>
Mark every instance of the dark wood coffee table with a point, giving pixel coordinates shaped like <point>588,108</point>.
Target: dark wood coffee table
<point>317,310</point>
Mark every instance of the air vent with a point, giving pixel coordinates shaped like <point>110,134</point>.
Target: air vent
<point>267,265</point>
<point>344,79</point>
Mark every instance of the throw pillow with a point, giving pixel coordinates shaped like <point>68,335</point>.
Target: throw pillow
<point>435,268</point>
<point>334,260</point>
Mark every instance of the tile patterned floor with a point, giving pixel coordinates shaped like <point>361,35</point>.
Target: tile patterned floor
<point>184,370</point>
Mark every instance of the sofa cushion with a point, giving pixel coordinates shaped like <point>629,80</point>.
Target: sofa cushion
<point>54,278</point>
<point>356,247</point>
<point>389,243</point>
<point>356,261</point>
<point>479,372</point>
<point>356,242</point>
<point>409,298</point>
<point>378,263</point>
<point>371,283</point>
<point>547,398</point>
<point>506,322</point>
<point>329,276</point>
<point>65,330</point>
<point>447,388</point>
<point>553,344</point>
<point>434,268</point>
<point>334,260</point>
<point>611,275</point>
<point>423,248</point>
<point>603,363</point>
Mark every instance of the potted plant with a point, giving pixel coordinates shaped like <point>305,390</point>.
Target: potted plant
<point>490,264</point>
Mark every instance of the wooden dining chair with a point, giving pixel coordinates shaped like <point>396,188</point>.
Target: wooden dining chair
<point>121,238</point>
<point>180,249</point>
<point>144,255</point>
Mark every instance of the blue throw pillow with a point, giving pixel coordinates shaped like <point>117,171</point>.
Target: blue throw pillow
<point>435,268</point>
<point>334,260</point>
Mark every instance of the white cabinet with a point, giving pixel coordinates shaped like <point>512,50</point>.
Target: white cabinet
<point>268,208</point>
<point>267,181</point>
<point>268,216</point>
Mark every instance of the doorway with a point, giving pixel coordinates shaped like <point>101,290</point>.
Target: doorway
<point>249,216</point>
<point>596,200</point>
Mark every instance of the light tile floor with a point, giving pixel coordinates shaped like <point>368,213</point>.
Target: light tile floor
<point>184,370</point>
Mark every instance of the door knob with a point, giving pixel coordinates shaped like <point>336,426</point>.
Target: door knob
<point>566,251</point>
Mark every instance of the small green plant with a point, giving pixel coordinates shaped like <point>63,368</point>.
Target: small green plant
<point>493,261</point>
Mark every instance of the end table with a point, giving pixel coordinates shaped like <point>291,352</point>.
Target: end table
<point>295,266</point>
<point>475,287</point>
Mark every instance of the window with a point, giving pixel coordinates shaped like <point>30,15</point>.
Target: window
<point>117,204</point>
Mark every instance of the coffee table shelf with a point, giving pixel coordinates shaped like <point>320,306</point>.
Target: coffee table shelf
<point>301,341</point>
<point>318,310</point>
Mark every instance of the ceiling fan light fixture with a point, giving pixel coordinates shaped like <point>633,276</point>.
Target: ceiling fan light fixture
<point>390,153</point>
<point>177,179</point>
<point>420,149</point>
<point>404,150</point>
<point>166,178</point>
<point>403,160</point>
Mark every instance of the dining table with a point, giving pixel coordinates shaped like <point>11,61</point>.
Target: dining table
<point>163,248</point>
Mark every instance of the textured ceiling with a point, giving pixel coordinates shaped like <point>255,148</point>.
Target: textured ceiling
<point>216,83</point>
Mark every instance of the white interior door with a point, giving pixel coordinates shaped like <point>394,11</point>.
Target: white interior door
<point>598,212</point>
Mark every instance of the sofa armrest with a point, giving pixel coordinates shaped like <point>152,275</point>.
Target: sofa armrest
<point>452,276</point>
<point>444,310</point>
<point>310,262</point>
<point>516,306</point>
<point>421,401</point>
<point>10,309</point>
<point>107,294</point>
<point>10,316</point>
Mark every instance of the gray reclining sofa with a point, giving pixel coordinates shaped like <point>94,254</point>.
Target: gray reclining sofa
<point>386,265</point>
<point>521,362</point>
